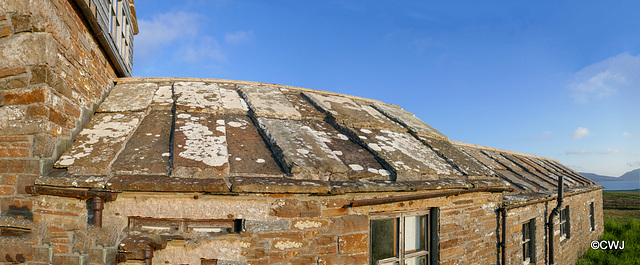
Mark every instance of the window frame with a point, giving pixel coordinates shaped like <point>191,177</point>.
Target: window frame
<point>399,242</point>
<point>565,223</point>
<point>592,216</point>
<point>529,238</point>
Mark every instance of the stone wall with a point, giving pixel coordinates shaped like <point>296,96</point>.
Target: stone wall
<point>52,75</point>
<point>279,229</point>
<point>567,250</point>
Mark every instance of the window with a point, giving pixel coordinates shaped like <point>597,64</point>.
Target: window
<point>404,238</point>
<point>529,241</point>
<point>565,225</point>
<point>592,218</point>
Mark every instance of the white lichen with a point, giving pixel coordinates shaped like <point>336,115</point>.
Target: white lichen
<point>202,145</point>
<point>287,244</point>
<point>306,224</point>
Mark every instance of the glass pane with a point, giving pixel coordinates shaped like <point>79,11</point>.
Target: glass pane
<point>421,260</point>
<point>384,234</point>
<point>415,230</point>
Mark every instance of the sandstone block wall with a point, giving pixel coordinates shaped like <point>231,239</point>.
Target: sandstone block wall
<point>52,75</point>
<point>278,229</point>
<point>567,250</point>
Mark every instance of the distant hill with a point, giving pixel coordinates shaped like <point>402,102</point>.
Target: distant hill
<point>598,178</point>
<point>629,176</point>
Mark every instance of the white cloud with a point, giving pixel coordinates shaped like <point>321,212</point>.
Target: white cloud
<point>577,152</point>
<point>579,133</point>
<point>626,134</point>
<point>203,48</point>
<point>182,37</point>
<point>238,37</point>
<point>609,151</point>
<point>545,136</point>
<point>606,78</point>
<point>164,29</point>
<point>634,164</point>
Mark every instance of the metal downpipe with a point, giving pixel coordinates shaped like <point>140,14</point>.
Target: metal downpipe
<point>554,212</point>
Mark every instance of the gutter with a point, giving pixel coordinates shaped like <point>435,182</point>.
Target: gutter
<point>97,198</point>
<point>401,198</point>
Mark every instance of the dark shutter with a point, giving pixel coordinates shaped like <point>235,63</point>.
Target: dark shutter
<point>434,251</point>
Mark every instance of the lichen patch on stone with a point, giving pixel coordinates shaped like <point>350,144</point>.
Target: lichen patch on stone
<point>198,96</point>
<point>202,145</point>
<point>129,97</point>
<point>99,142</point>
<point>232,102</point>
<point>268,101</point>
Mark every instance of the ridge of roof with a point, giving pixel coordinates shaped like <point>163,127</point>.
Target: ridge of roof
<point>238,82</point>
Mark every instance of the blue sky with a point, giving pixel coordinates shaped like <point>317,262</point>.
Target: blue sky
<point>559,79</point>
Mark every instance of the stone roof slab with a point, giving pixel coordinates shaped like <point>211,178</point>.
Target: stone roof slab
<point>163,98</point>
<point>482,158</point>
<point>232,102</point>
<point>408,120</point>
<point>197,96</point>
<point>200,146</point>
<point>406,155</point>
<point>361,163</point>
<point>129,97</point>
<point>302,150</point>
<point>147,151</point>
<point>249,155</point>
<point>347,112</point>
<point>99,143</point>
<point>268,101</point>
<point>455,156</point>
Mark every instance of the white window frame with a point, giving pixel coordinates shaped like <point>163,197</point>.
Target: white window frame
<point>592,216</point>
<point>530,228</point>
<point>400,237</point>
<point>565,223</point>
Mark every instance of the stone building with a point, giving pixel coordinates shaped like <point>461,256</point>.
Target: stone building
<point>97,167</point>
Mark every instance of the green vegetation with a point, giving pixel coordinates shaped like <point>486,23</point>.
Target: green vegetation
<point>621,223</point>
<point>621,205</point>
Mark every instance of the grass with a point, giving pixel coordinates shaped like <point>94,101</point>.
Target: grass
<point>621,205</point>
<point>621,223</point>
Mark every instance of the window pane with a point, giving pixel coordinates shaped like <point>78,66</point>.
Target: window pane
<point>415,228</point>
<point>421,260</point>
<point>384,234</point>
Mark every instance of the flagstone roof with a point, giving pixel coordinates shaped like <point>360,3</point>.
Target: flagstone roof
<point>223,136</point>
